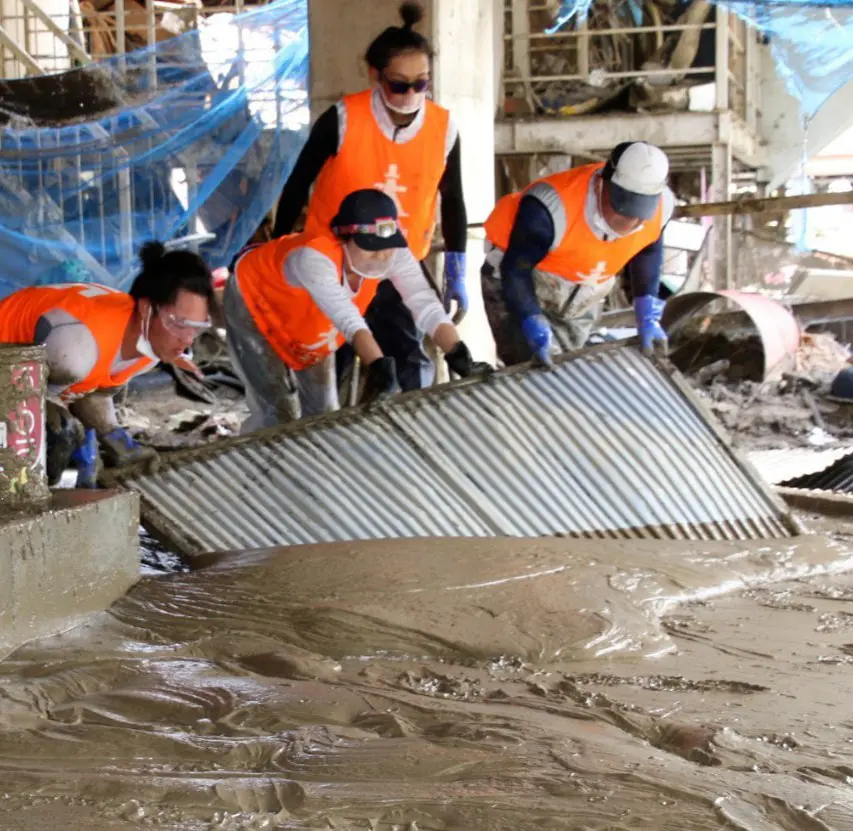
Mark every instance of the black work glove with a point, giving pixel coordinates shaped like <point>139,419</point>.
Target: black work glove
<point>460,361</point>
<point>380,381</point>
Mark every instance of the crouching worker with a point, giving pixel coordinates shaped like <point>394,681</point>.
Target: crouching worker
<point>97,339</point>
<point>556,248</point>
<point>294,301</point>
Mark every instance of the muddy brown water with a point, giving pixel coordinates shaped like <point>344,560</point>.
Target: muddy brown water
<point>449,684</point>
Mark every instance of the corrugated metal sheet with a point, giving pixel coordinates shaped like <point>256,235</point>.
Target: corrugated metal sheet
<point>607,444</point>
<point>781,466</point>
<point>837,477</point>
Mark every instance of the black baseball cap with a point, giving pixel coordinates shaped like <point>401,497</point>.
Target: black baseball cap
<point>369,217</point>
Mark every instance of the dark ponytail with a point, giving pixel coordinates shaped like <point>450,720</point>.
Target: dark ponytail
<point>165,273</point>
<point>398,39</point>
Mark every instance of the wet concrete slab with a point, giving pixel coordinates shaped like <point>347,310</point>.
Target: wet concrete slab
<point>63,563</point>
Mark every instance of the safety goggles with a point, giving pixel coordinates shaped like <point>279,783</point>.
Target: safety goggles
<point>384,228</point>
<point>402,87</point>
<point>182,327</point>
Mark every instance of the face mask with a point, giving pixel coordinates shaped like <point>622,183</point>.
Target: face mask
<point>410,109</point>
<point>143,345</point>
<point>599,224</point>
<point>360,273</point>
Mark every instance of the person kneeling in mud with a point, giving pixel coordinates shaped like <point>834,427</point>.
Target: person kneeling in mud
<point>97,339</point>
<point>292,302</point>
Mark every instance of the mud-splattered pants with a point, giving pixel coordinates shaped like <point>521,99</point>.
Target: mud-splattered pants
<point>571,321</point>
<point>275,393</point>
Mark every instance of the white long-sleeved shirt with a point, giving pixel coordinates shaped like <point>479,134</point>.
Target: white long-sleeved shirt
<point>307,268</point>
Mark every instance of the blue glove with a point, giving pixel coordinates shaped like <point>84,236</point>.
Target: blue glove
<point>86,458</point>
<point>120,448</point>
<point>537,332</point>
<point>648,311</point>
<point>454,281</point>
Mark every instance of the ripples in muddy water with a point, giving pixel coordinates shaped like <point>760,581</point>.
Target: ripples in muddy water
<point>448,684</point>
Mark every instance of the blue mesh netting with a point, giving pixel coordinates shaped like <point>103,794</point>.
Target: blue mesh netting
<point>812,42</point>
<point>192,137</point>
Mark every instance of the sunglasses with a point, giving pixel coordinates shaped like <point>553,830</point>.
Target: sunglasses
<point>402,87</point>
<point>384,228</point>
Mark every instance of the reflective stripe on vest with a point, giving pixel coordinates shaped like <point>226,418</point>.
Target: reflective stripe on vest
<point>408,172</point>
<point>287,316</point>
<point>104,311</point>
<point>580,257</point>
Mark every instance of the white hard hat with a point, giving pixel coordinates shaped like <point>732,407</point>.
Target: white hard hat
<point>636,173</point>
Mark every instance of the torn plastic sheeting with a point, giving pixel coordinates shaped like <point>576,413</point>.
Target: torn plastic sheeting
<point>776,326</point>
<point>608,444</point>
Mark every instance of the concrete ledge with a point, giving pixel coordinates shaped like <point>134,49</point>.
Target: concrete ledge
<point>820,502</point>
<point>59,565</point>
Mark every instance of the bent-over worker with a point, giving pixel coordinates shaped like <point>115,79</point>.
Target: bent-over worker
<point>390,137</point>
<point>292,302</point>
<point>97,338</point>
<point>557,247</point>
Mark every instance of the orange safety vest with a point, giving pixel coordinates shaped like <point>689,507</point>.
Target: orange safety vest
<point>409,173</point>
<point>289,318</point>
<point>580,257</point>
<point>104,311</point>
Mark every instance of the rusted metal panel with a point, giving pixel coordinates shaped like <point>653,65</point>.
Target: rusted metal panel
<point>607,444</point>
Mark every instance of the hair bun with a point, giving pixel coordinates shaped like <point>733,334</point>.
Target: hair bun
<point>412,14</point>
<point>151,254</point>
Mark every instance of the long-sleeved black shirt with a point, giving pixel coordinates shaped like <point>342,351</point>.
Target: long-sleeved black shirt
<point>323,143</point>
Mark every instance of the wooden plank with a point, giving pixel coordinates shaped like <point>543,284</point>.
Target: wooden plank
<point>779,204</point>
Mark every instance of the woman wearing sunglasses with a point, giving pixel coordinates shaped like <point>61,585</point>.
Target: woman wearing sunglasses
<point>294,301</point>
<point>97,339</point>
<point>390,137</point>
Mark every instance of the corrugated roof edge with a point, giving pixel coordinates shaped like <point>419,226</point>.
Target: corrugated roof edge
<point>177,458</point>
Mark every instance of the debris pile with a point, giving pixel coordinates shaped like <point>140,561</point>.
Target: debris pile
<point>791,410</point>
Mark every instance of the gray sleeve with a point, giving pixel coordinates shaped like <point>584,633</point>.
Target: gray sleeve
<point>96,410</point>
<point>72,350</point>
<point>548,196</point>
<point>318,275</point>
<point>417,294</point>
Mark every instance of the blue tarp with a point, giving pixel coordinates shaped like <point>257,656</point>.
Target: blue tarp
<point>197,136</point>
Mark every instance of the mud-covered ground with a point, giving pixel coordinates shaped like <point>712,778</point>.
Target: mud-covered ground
<point>449,685</point>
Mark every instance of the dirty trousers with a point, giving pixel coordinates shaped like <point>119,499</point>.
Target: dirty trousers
<point>275,393</point>
<point>570,332</point>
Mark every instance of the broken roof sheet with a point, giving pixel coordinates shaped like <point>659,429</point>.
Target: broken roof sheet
<point>608,444</point>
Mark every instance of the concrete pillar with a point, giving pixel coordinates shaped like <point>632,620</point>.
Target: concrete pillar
<point>722,241</point>
<point>462,35</point>
<point>465,83</point>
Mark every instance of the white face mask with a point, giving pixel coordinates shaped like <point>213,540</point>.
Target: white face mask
<point>351,267</point>
<point>143,345</point>
<point>410,109</point>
